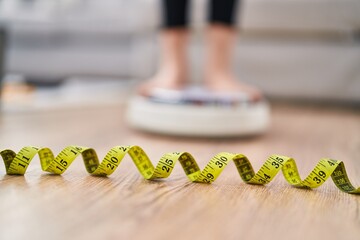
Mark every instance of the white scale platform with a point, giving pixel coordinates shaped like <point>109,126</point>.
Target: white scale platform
<point>196,112</point>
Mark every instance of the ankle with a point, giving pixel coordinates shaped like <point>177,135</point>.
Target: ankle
<point>214,75</point>
<point>174,72</point>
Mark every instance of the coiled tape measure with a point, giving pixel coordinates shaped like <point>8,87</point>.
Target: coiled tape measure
<point>16,164</point>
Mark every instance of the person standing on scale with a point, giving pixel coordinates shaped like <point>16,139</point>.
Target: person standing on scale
<point>220,40</point>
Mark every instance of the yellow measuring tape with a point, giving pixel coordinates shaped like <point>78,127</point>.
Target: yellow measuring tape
<point>18,163</point>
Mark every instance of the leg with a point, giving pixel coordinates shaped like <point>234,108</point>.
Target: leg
<point>221,37</point>
<point>173,40</point>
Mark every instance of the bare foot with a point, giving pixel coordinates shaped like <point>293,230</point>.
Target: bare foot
<point>226,83</point>
<point>172,71</point>
<point>218,76</point>
<point>165,79</point>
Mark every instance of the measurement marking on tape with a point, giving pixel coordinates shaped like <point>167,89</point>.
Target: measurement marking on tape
<point>271,167</point>
<point>166,164</point>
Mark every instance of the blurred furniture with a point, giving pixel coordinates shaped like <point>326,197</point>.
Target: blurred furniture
<point>2,53</point>
<point>294,49</point>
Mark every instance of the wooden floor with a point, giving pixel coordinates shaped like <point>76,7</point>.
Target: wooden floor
<point>125,206</point>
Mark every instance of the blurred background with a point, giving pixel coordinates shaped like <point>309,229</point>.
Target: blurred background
<point>291,49</point>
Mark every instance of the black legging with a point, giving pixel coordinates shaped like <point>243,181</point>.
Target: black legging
<point>175,12</point>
